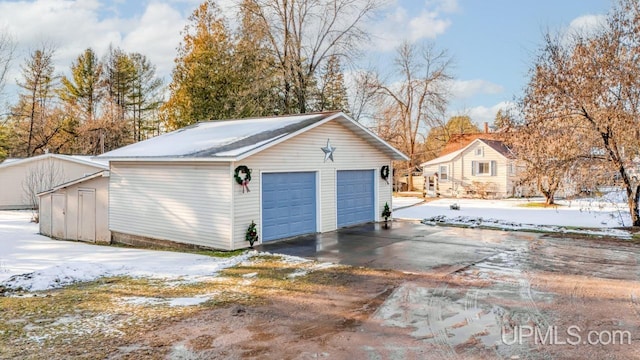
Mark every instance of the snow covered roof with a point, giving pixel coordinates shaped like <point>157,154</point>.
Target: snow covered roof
<point>80,159</point>
<point>497,145</point>
<point>101,173</point>
<point>233,140</point>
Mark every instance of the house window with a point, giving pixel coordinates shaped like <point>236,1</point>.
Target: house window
<point>444,174</point>
<point>512,169</point>
<point>479,151</point>
<point>484,168</point>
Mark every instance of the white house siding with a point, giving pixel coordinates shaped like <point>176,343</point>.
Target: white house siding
<point>303,153</point>
<point>182,202</point>
<point>72,215</point>
<point>12,178</point>
<point>461,175</point>
<point>499,181</point>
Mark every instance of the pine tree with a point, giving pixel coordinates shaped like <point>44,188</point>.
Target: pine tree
<point>118,80</point>
<point>83,89</point>
<point>203,82</point>
<point>332,94</point>
<point>144,95</point>
<point>33,104</point>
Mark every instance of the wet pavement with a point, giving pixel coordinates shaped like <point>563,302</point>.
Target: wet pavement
<point>495,294</point>
<point>404,245</point>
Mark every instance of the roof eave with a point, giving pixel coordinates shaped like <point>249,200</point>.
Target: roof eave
<point>172,159</point>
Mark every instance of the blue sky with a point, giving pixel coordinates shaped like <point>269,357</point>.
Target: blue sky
<point>493,42</point>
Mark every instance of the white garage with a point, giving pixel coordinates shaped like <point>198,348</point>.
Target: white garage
<point>22,179</point>
<point>77,210</point>
<point>306,174</point>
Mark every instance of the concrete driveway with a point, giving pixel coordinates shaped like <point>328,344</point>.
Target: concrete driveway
<point>405,245</point>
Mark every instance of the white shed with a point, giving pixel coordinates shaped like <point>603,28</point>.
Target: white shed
<point>77,210</point>
<point>308,173</point>
<point>22,179</point>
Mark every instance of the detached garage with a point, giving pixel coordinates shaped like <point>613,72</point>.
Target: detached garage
<point>291,175</point>
<point>22,179</point>
<point>77,210</point>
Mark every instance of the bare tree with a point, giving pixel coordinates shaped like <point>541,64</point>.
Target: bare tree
<point>592,81</point>
<point>7,49</point>
<point>415,103</point>
<point>43,176</point>
<point>303,34</point>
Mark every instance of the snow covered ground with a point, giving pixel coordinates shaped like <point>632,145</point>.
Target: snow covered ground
<point>35,262</point>
<point>403,201</point>
<point>599,215</point>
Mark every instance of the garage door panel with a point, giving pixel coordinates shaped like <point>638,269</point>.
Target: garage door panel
<point>355,197</point>
<point>288,204</point>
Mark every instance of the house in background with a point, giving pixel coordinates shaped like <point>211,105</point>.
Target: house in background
<point>22,179</point>
<point>77,210</point>
<point>484,167</point>
<point>204,185</point>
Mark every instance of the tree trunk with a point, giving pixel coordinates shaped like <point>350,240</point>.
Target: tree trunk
<point>633,207</point>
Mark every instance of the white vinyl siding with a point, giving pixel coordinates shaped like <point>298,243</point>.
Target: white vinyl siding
<point>464,170</point>
<point>12,195</point>
<point>186,203</point>
<point>444,173</point>
<point>303,153</point>
<point>74,213</point>
<point>484,168</point>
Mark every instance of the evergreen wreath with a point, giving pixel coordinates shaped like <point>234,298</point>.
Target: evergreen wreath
<point>252,234</point>
<point>244,169</point>
<point>244,182</point>
<point>384,173</point>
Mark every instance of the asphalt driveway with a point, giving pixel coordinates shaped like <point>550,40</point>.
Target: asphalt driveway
<point>405,245</point>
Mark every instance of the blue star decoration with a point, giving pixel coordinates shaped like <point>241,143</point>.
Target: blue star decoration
<point>328,151</point>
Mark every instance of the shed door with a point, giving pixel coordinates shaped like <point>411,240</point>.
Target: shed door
<point>355,197</point>
<point>87,215</point>
<point>288,204</point>
<point>58,218</point>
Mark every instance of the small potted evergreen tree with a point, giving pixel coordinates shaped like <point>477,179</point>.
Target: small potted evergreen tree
<point>386,214</point>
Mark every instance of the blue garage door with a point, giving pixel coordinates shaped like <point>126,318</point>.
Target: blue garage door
<point>288,204</point>
<point>355,197</point>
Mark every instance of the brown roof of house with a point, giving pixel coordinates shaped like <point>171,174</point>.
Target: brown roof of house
<point>459,141</point>
<point>499,146</point>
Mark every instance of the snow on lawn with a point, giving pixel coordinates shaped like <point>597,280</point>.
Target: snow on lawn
<point>598,215</point>
<point>404,201</point>
<point>34,262</point>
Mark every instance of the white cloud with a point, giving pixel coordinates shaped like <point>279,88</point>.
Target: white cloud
<point>462,89</point>
<point>587,23</point>
<point>74,25</point>
<point>400,24</point>
<point>157,35</point>
<point>482,114</point>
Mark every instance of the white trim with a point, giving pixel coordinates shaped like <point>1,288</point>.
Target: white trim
<point>172,159</point>
<point>318,202</point>
<point>260,208</point>
<point>286,137</point>
<point>233,207</point>
<point>79,214</point>
<point>318,214</point>
<point>57,156</point>
<point>335,196</point>
<point>376,197</point>
<point>340,116</point>
<point>453,155</point>
<point>101,173</point>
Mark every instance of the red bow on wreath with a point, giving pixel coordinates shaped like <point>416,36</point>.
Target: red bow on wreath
<point>245,185</point>
<point>243,180</point>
